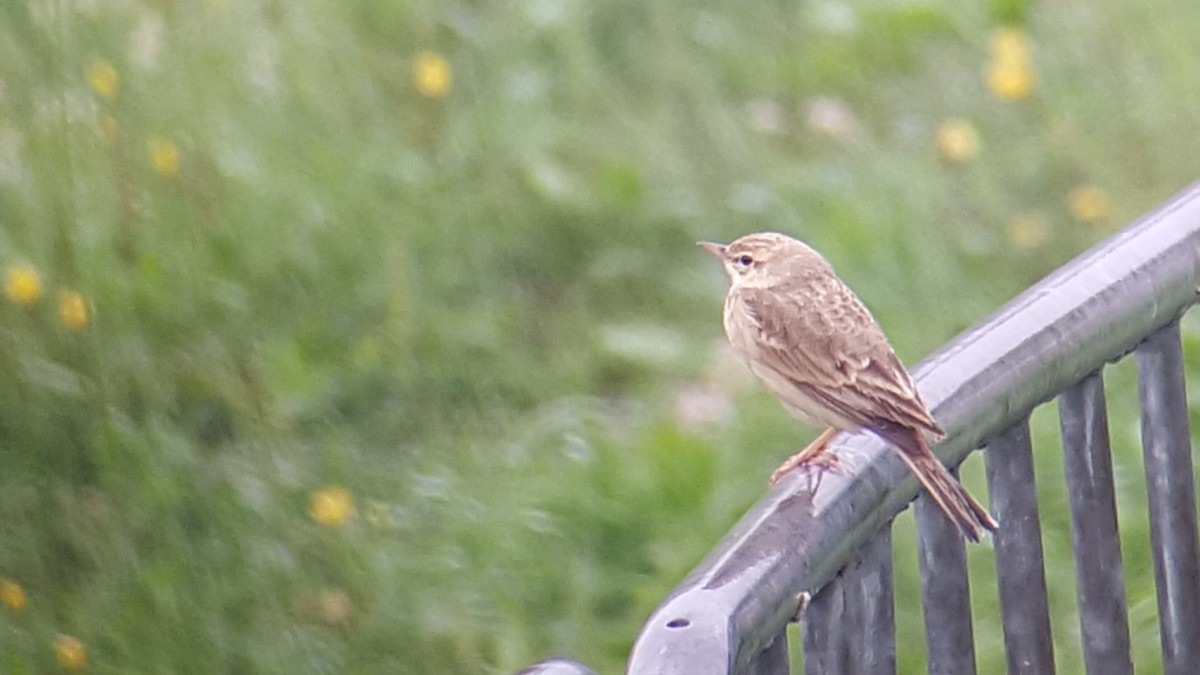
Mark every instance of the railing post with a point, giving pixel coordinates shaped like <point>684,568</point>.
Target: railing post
<point>773,660</point>
<point>850,628</point>
<point>945,592</point>
<point>1100,578</point>
<point>1020,569</point>
<point>1170,488</point>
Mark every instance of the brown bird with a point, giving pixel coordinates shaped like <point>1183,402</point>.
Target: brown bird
<point>814,345</point>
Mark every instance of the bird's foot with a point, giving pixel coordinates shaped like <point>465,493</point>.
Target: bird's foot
<point>816,455</point>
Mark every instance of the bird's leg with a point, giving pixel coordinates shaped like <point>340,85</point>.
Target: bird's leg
<point>816,453</point>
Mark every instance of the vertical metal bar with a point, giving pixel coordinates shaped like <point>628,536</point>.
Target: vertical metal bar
<point>945,592</point>
<point>773,660</point>
<point>1100,576</point>
<point>822,628</point>
<point>871,596</point>
<point>1019,566</point>
<point>850,625</point>
<point>1172,496</point>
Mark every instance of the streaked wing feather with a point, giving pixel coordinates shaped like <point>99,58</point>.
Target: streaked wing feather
<point>838,355</point>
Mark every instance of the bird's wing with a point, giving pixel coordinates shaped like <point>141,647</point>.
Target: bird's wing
<point>818,334</point>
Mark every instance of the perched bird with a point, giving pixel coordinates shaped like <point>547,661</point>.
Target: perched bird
<point>814,345</point>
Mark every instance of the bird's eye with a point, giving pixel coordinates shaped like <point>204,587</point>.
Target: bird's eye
<point>745,261</point>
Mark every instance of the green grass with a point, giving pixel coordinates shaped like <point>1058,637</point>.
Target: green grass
<point>479,313</point>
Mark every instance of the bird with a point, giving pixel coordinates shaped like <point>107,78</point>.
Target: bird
<point>813,344</point>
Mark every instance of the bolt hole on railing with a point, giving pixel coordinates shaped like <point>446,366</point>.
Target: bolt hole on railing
<point>1075,392</point>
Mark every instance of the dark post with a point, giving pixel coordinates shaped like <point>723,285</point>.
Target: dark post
<point>850,626</point>
<point>945,592</point>
<point>1100,577</point>
<point>1020,569</point>
<point>1171,490</point>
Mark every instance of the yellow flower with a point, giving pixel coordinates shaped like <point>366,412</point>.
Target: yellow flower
<point>1027,231</point>
<point>102,78</point>
<point>72,310</point>
<point>70,652</point>
<point>331,506</point>
<point>12,595</point>
<point>431,75</point>
<point>1010,73</point>
<point>164,156</point>
<point>1089,204</point>
<point>1010,81</point>
<point>22,285</point>
<point>957,140</point>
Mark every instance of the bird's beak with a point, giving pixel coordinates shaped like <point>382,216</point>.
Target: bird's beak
<point>716,249</point>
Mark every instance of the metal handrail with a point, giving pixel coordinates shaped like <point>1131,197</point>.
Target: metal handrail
<point>729,613</point>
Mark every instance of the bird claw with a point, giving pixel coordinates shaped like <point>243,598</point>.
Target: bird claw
<point>822,461</point>
<point>816,455</point>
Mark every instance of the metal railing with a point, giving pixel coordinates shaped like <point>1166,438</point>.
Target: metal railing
<point>823,545</point>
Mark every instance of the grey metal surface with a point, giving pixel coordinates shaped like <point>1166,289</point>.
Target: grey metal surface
<point>557,667</point>
<point>1099,574</point>
<point>850,626</point>
<point>773,661</point>
<point>1171,491</point>
<point>945,592</point>
<point>795,539</point>
<point>1020,569</point>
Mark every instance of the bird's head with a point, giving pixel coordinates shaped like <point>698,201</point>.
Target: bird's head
<point>764,258</point>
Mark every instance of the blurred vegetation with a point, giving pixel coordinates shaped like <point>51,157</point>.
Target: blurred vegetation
<point>369,336</point>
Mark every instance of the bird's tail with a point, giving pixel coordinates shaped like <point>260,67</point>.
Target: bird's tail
<point>950,496</point>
